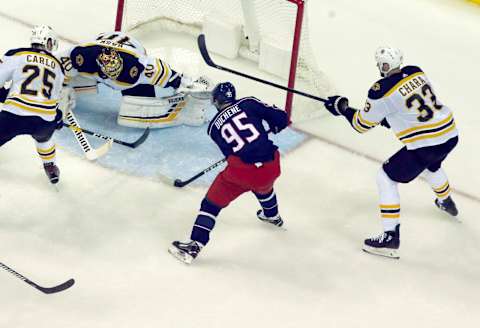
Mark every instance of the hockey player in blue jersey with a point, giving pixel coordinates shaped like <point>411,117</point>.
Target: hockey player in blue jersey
<point>253,164</point>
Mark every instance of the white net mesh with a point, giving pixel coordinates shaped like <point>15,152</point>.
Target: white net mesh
<point>272,20</point>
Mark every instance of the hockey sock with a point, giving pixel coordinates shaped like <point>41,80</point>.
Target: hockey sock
<point>46,151</point>
<point>389,201</point>
<point>269,203</point>
<point>205,222</point>
<point>439,182</point>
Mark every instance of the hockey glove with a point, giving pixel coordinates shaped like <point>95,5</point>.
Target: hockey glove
<point>59,119</point>
<point>336,105</point>
<point>3,94</point>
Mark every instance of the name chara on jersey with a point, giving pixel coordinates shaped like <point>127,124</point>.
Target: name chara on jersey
<point>411,85</point>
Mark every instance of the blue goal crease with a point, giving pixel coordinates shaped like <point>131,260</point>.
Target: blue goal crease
<point>168,153</point>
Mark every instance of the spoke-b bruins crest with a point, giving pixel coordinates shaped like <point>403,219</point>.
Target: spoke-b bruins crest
<point>110,62</point>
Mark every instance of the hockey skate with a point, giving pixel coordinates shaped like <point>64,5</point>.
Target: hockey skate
<point>52,171</point>
<point>386,244</point>
<point>276,220</point>
<point>447,205</point>
<point>185,251</point>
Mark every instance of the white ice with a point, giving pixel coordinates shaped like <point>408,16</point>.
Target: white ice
<point>110,231</point>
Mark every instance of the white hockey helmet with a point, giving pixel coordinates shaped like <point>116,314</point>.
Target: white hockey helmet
<point>45,36</point>
<point>388,59</point>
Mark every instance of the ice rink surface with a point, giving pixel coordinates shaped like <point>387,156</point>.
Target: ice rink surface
<point>110,230</point>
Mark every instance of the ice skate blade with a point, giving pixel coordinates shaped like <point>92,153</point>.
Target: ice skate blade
<point>385,252</point>
<point>180,255</point>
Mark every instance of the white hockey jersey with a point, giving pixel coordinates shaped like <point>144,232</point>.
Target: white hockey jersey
<point>408,103</point>
<point>37,80</point>
<point>138,68</point>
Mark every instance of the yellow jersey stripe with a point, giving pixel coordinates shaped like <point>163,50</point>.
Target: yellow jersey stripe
<point>425,127</point>
<point>166,73</point>
<point>396,86</point>
<point>154,79</point>
<point>391,216</point>
<point>47,157</point>
<point>366,122</point>
<point>443,194</point>
<point>442,187</point>
<point>46,151</point>
<point>356,126</point>
<point>38,54</point>
<point>31,109</point>
<point>35,102</point>
<point>429,135</point>
<point>393,206</point>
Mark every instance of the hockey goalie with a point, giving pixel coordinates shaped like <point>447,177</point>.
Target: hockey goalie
<point>153,94</point>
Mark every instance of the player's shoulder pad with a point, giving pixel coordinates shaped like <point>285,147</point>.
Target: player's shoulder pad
<point>409,70</point>
<point>13,52</point>
<point>382,86</point>
<point>252,101</point>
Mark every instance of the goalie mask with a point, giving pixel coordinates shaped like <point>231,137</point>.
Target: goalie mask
<point>110,62</point>
<point>45,37</point>
<point>388,59</point>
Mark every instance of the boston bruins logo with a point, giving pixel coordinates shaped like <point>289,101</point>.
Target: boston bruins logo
<point>133,72</point>
<point>79,60</point>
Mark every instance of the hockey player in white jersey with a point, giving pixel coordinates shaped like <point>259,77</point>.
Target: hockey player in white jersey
<point>121,62</point>
<point>404,101</point>
<point>31,104</point>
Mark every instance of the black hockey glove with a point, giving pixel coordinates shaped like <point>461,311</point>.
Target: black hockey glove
<point>3,94</point>
<point>336,105</point>
<point>59,120</point>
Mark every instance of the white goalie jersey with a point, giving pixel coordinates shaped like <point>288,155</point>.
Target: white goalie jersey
<point>409,105</point>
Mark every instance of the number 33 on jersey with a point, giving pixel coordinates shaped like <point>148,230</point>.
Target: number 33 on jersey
<point>407,101</point>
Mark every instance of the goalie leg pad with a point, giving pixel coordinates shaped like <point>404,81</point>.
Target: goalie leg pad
<point>143,112</point>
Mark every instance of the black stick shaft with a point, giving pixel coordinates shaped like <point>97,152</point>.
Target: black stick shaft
<point>134,144</point>
<point>206,56</point>
<point>46,290</point>
<point>180,183</point>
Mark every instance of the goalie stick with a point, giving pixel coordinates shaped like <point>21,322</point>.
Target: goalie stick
<point>133,144</point>
<point>90,153</point>
<point>47,290</point>
<point>206,57</point>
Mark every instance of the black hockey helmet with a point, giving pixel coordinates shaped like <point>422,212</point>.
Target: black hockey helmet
<point>223,93</point>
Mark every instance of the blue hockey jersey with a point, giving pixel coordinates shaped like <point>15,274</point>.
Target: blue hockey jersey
<point>238,129</point>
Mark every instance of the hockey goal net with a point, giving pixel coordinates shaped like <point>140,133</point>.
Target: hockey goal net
<point>278,26</point>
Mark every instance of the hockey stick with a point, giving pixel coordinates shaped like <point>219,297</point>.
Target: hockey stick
<point>90,153</point>
<point>134,144</point>
<point>47,290</point>
<point>206,57</point>
<point>179,183</point>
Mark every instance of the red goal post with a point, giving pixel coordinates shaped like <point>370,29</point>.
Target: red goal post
<point>288,16</point>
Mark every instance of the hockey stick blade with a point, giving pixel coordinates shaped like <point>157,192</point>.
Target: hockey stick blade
<point>95,154</point>
<point>52,290</point>
<point>140,140</point>
<point>179,183</point>
<point>208,60</point>
<point>47,290</point>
